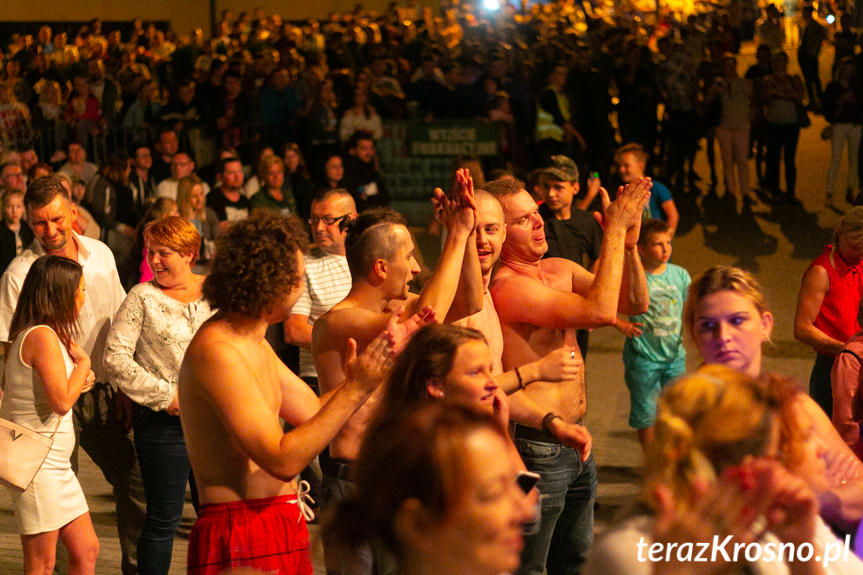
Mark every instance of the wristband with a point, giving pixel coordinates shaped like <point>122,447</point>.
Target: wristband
<point>549,417</point>
<point>520,380</point>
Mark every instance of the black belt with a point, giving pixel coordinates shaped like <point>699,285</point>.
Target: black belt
<point>337,467</point>
<point>531,434</point>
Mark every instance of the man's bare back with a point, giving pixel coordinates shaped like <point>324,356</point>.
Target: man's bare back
<point>226,372</point>
<point>346,320</point>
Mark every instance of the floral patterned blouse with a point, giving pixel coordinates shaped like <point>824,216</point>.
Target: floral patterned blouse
<point>148,338</point>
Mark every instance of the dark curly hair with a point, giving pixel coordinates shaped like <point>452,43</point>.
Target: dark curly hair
<point>255,264</point>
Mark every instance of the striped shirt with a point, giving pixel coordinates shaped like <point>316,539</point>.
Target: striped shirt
<point>328,281</point>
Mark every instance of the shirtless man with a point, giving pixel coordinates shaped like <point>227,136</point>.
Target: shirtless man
<point>380,255</point>
<point>541,302</point>
<point>233,390</point>
<point>558,364</point>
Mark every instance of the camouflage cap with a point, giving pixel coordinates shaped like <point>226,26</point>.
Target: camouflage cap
<point>563,167</point>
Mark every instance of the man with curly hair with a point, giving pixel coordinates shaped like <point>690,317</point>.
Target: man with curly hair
<point>380,256</point>
<point>233,392</point>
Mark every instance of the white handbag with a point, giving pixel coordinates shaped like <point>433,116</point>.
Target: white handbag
<point>22,450</point>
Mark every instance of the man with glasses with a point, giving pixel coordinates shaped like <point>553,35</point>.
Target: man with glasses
<point>181,166</point>
<point>328,279</point>
<point>12,176</point>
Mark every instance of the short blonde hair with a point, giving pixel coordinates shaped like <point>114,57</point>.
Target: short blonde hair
<point>631,148</point>
<point>9,193</point>
<point>266,163</point>
<point>176,233</point>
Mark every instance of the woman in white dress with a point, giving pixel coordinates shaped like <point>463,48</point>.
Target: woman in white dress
<point>45,373</point>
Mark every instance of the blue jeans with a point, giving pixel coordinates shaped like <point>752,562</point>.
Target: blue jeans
<point>165,469</point>
<point>568,491</point>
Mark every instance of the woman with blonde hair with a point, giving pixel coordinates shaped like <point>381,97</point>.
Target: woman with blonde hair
<point>274,194</point>
<point>192,206</point>
<point>729,320</point>
<point>732,458</point>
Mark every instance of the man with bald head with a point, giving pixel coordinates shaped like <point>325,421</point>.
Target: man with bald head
<point>541,302</point>
<point>328,279</point>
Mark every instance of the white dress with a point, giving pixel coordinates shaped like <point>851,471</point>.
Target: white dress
<point>55,497</point>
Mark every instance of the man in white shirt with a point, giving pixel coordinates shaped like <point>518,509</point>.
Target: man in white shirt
<point>328,279</point>
<point>100,413</point>
<point>182,165</point>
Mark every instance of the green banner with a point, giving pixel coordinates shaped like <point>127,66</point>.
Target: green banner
<point>452,138</point>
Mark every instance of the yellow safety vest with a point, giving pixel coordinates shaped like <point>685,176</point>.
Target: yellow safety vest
<point>546,129</point>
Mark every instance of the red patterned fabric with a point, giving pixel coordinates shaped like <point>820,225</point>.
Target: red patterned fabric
<point>267,534</point>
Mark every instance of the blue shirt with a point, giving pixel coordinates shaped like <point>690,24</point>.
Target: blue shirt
<point>659,194</point>
<point>661,339</point>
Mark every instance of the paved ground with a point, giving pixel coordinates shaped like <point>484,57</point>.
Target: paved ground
<point>775,242</point>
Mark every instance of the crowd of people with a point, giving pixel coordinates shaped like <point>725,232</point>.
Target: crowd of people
<point>436,419</point>
<point>572,80</point>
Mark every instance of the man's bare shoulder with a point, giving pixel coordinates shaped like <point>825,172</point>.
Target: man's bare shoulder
<point>506,278</point>
<point>213,346</point>
<point>344,315</point>
<point>558,265</point>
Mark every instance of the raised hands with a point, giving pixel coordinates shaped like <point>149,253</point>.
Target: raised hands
<point>784,499</point>
<point>756,496</point>
<point>372,366</point>
<point>456,211</point>
<point>401,331</point>
<point>627,209</point>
